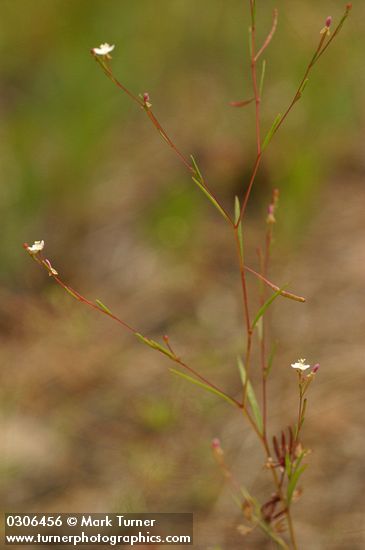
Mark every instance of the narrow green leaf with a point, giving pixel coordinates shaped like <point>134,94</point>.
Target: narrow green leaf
<point>260,521</point>
<point>250,395</point>
<point>196,168</point>
<point>288,465</point>
<point>155,345</point>
<point>293,482</point>
<point>262,77</point>
<point>271,359</point>
<point>271,132</point>
<point>103,307</point>
<point>260,329</point>
<point>296,431</point>
<point>250,41</point>
<point>199,180</point>
<point>212,199</point>
<point>303,412</point>
<point>202,385</point>
<point>293,477</point>
<point>237,209</point>
<point>246,494</point>
<point>237,214</point>
<point>237,501</point>
<point>161,132</point>
<point>266,305</point>
<point>72,293</point>
<point>267,529</point>
<point>299,460</point>
<point>256,506</point>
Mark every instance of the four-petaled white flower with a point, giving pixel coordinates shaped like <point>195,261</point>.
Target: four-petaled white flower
<point>36,247</point>
<point>300,365</point>
<point>103,49</point>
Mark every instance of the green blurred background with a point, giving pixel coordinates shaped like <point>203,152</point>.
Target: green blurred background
<point>92,420</point>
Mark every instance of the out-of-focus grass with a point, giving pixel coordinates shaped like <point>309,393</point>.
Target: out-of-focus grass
<point>66,129</point>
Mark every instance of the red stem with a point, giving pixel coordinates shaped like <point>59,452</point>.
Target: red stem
<point>270,35</point>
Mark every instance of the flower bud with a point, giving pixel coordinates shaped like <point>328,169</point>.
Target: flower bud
<point>146,100</point>
<point>270,214</point>
<point>216,447</point>
<point>326,29</point>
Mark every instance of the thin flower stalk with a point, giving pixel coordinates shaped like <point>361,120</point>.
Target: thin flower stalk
<point>283,293</point>
<point>319,51</point>
<point>147,107</point>
<point>101,308</point>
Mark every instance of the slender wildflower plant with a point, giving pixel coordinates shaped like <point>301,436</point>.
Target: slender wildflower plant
<point>284,453</point>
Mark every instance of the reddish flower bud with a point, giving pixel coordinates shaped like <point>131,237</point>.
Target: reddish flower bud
<point>328,21</point>
<point>315,368</point>
<point>216,444</point>
<point>146,100</point>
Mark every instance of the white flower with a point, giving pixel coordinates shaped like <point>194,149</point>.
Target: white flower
<point>103,49</point>
<point>36,247</point>
<point>300,365</point>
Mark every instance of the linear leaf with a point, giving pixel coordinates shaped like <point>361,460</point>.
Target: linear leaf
<point>262,77</point>
<point>260,521</point>
<point>293,482</point>
<point>304,408</point>
<point>288,465</point>
<point>260,329</point>
<point>271,359</point>
<point>68,289</point>
<point>271,132</point>
<point>242,103</point>
<point>199,180</point>
<point>103,307</point>
<point>250,395</point>
<point>155,345</point>
<point>250,41</point>
<point>292,477</point>
<point>267,529</point>
<point>202,385</point>
<point>210,197</point>
<point>237,214</point>
<point>267,304</point>
<point>196,168</point>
